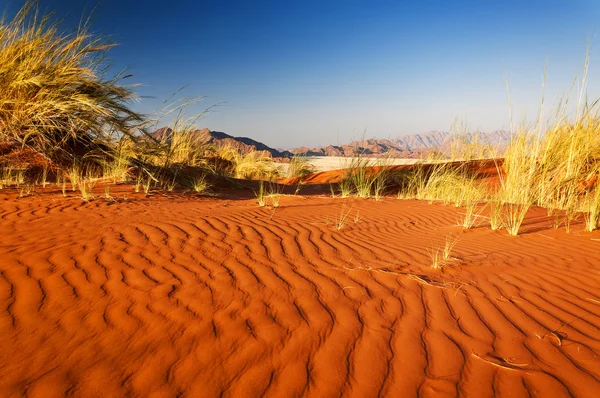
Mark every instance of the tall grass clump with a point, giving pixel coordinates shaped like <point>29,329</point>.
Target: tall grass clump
<point>268,191</point>
<point>365,177</point>
<point>466,146</point>
<point>518,183</point>
<point>555,164</point>
<point>495,214</point>
<point>591,210</point>
<point>115,166</point>
<point>180,144</point>
<point>200,184</point>
<point>299,166</point>
<point>53,89</point>
<point>249,165</point>
<point>426,178</point>
<point>440,179</point>
<point>11,177</point>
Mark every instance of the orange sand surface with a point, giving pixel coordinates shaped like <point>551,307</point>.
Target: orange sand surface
<point>203,297</point>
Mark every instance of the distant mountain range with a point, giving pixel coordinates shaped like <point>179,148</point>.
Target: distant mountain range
<point>408,145</point>
<point>242,144</point>
<point>404,146</point>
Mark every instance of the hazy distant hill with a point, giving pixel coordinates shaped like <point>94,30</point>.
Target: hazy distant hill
<point>408,145</point>
<point>243,144</point>
<point>429,139</point>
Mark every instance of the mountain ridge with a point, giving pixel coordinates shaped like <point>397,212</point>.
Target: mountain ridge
<point>407,146</point>
<point>242,144</point>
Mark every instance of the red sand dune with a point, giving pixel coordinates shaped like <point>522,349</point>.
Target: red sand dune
<point>202,297</point>
<point>488,170</point>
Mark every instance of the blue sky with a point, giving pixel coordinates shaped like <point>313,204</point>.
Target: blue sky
<point>323,72</point>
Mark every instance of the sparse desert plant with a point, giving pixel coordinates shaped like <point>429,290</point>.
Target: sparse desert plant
<point>437,258</point>
<point>53,87</point>
<point>470,197</point>
<point>381,181</point>
<point>361,177</point>
<point>11,177</point>
<point>4,177</point>
<point>250,165</point>
<point>107,191</point>
<point>495,214</point>
<point>61,182</point>
<point>448,182</point>
<point>86,186</point>
<point>116,166</point>
<point>260,194</point>
<point>144,181</point>
<point>44,176</point>
<point>407,181</point>
<point>513,216</point>
<point>471,215</point>
<point>345,188</point>
<point>592,210</point>
<point>275,199</point>
<point>268,191</point>
<point>557,221</point>
<point>200,183</point>
<point>340,220</point>
<point>364,177</point>
<point>75,175</point>
<point>179,144</point>
<point>466,146</point>
<point>183,147</point>
<point>169,183</point>
<point>148,184</point>
<point>332,190</point>
<point>274,192</point>
<point>570,216</point>
<point>518,184</point>
<point>545,167</point>
<point>298,188</point>
<point>26,190</point>
<point>432,180</point>
<point>138,182</point>
<point>552,164</point>
<point>299,166</point>
<point>441,256</point>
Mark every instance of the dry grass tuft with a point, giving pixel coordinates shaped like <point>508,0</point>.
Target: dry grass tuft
<point>53,90</point>
<point>299,167</point>
<point>441,256</point>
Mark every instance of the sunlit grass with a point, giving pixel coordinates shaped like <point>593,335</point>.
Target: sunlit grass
<point>53,89</point>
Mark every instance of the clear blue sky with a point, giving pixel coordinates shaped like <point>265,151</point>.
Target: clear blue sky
<point>321,72</point>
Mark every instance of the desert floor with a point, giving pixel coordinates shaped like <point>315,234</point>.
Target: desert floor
<point>182,295</point>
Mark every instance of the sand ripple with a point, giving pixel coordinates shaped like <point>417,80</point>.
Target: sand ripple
<point>202,297</point>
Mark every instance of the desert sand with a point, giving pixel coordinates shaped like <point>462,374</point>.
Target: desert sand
<point>183,295</point>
